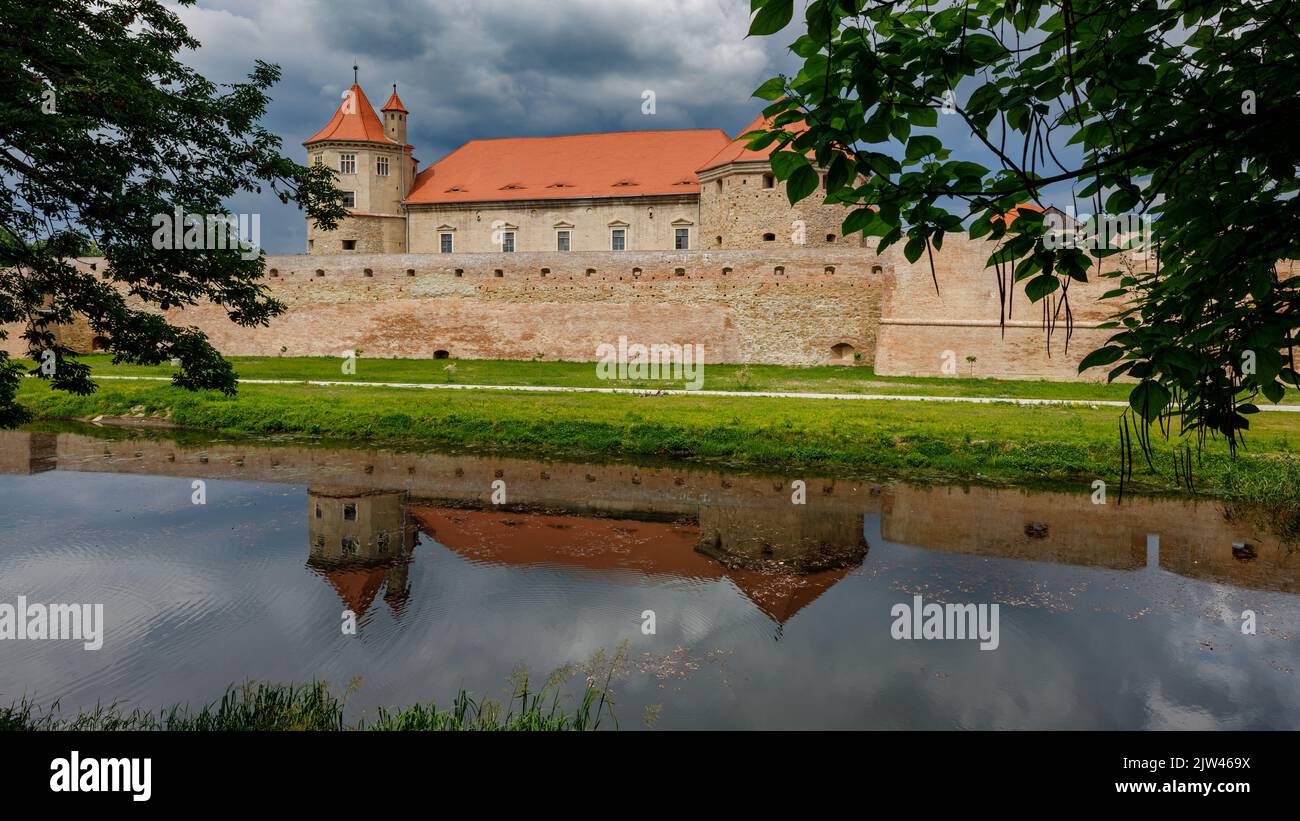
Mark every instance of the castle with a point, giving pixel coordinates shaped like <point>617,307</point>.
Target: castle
<point>550,247</point>
<point>628,191</point>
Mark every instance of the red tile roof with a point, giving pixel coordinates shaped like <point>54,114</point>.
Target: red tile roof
<point>355,120</point>
<point>631,163</point>
<point>738,150</point>
<point>1015,211</point>
<point>395,103</point>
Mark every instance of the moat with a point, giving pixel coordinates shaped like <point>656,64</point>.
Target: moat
<point>219,561</point>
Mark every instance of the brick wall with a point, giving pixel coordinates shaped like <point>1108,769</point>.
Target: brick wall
<point>784,306</point>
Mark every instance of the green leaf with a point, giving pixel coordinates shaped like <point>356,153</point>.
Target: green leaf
<point>772,17</point>
<point>914,248</point>
<point>857,220</point>
<point>983,48</point>
<point>923,116</point>
<point>1148,399</point>
<point>785,163</point>
<point>921,145</point>
<point>802,182</point>
<point>1040,286</point>
<point>772,89</point>
<point>1100,357</point>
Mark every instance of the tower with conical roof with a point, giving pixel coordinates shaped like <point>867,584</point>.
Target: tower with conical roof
<point>374,167</point>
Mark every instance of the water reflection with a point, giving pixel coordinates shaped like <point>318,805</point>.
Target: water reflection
<point>1119,615</point>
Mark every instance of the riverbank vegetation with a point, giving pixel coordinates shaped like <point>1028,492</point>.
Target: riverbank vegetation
<point>996,443</point>
<point>314,707</point>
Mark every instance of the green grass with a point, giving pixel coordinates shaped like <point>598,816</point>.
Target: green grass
<point>915,440</point>
<point>780,378</point>
<point>313,707</point>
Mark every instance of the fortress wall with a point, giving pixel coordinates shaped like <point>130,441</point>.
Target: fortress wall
<point>919,325</point>
<point>781,306</point>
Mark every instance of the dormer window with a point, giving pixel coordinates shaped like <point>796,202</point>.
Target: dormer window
<point>455,189</point>
<point>559,185</point>
<point>625,184</point>
<point>514,186</point>
<point>347,163</point>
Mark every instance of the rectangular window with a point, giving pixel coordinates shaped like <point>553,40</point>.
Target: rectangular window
<point>444,243</point>
<point>508,241</point>
<point>349,513</point>
<point>347,163</point>
<point>349,245</point>
<point>683,239</point>
<point>349,199</point>
<point>618,239</point>
<point>562,240</point>
<point>381,166</point>
<point>317,159</point>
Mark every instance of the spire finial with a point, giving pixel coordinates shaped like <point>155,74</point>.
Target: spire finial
<point>354,73</point>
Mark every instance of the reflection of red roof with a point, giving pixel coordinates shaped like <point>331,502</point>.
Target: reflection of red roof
<point>609,546</point>
<point>356,586</point>
<point>354,120</point>
<point>738,150</point>
<point>631,163</point>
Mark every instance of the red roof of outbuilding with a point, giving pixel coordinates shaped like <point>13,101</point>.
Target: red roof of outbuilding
<point>630,163</point>
<point>354,120</point>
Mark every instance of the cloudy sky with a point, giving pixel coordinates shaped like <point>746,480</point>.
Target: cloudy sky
<point>489,68</point>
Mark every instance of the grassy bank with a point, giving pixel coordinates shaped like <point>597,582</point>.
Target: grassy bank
<point>917,440</point>
<point>314,707</point>
<point>778,378</point>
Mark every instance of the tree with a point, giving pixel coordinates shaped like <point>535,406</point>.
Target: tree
<point>1183,111</point>
<point>105,137</point>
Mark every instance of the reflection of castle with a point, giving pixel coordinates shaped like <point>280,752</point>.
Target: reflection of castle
<point>765,553</point>
<point>749,526</point>
<point>361,541</point>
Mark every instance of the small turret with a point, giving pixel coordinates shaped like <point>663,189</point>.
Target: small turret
<point>395,118</point>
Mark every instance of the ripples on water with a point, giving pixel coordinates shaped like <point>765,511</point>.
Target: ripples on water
<point>768,614</point>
